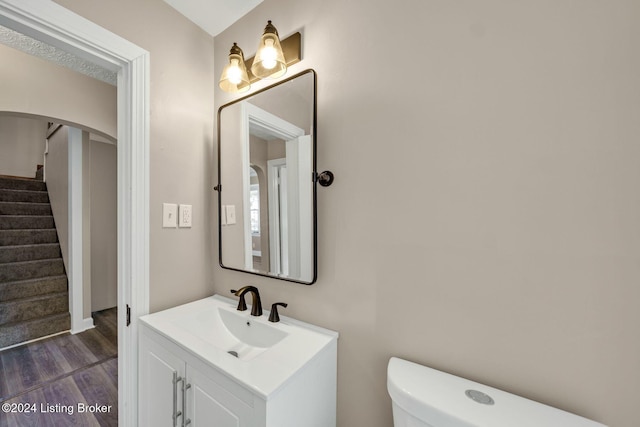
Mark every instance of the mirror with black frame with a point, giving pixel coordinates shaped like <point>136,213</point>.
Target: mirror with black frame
<point>266,186</point>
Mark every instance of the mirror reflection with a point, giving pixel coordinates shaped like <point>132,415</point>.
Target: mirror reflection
<point>266,188</point>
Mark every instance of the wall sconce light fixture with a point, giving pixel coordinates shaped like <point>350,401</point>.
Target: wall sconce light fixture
<point>269,59</point>
<point>235,78</point>
<point>270,62</point>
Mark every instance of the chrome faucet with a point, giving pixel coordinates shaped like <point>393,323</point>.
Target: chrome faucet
<point>256,304</point>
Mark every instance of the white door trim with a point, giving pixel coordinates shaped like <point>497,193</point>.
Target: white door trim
<point>75,220</point>
<point>274,183</point>
<point>51,23</point>
<point>262,122</point>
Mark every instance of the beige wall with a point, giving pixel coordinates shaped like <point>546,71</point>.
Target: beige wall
<point>513,143</point>
<point>484,217</point>
<point>231,173</point>
<point>290,102</point>
<point>57,177</point>
<point>21,145</point>
<point>99,210</point>
<point>40,88</point>
<point>181,138</point>
<point>104,227</point>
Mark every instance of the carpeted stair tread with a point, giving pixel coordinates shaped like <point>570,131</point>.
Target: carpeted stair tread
<point>24,208</point>
<point>16,333</point>
<point>11,183</point>
<point>34,297</point>
<point>33,287</point>
<point>17,253</point>
<point>25,222</point>
<point>23,309</point>
<point>27,237</point>
<point>24,270</point>
<point>7,195</point>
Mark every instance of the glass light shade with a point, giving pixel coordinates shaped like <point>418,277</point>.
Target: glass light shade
<point>269,60</point>
<point>234,78</point>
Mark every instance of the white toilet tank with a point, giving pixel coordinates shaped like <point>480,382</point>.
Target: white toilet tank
<point>425,397</point>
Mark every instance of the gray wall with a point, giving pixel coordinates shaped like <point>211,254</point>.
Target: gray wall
<point>21,145</point>
<point>484,217</point>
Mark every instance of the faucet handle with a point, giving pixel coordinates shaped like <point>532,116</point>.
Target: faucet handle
<point>242,304</point>
<point>274,316</point>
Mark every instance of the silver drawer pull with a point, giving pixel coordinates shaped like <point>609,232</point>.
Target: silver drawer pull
<point>185,421</point>
<point>176,413</point>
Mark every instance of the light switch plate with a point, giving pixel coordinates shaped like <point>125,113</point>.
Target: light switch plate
<point>184,218</point>
<point>223,215</point>
<point>169,215</point>
<point>231,214</point>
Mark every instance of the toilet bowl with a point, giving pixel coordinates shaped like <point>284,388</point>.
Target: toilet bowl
<point>425,397</point>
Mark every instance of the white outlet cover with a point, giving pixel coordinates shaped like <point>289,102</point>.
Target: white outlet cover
<point>169,215</point>
<point>231,214</point>
<point>184,220</point>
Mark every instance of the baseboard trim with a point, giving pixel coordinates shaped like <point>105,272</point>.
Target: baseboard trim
<point>85,325</point>
<point>35,339</point>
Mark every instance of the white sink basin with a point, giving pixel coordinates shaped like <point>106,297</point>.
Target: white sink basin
<point>254,334</point>
<point>257,353</point>
<point>244,337</point>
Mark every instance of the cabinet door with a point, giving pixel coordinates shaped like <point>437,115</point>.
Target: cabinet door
<point>159,397</point>
<point>209,404</point>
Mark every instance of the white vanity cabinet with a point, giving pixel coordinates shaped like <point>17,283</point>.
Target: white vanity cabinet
<point>184,380</point>
<point>171,380</point>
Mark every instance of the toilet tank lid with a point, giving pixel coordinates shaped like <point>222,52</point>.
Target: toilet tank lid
<point>440,399</point>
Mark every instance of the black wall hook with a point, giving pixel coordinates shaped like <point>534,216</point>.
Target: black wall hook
<point>325,178</point>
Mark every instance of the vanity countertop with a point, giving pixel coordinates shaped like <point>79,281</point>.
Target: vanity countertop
<point>270,353</point>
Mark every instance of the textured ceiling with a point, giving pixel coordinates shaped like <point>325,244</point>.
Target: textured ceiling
<point>42,50</point>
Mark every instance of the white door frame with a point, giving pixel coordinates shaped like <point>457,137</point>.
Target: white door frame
<point>278,255</point>
<point>49,22</point>
<point>299,204</point>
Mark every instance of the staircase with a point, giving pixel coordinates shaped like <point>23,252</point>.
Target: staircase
<point>34,299</point>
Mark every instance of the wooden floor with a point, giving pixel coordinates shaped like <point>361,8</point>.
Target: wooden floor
<point>66,380</point>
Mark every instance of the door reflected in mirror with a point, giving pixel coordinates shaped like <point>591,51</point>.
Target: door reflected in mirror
<point>266,165</point>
